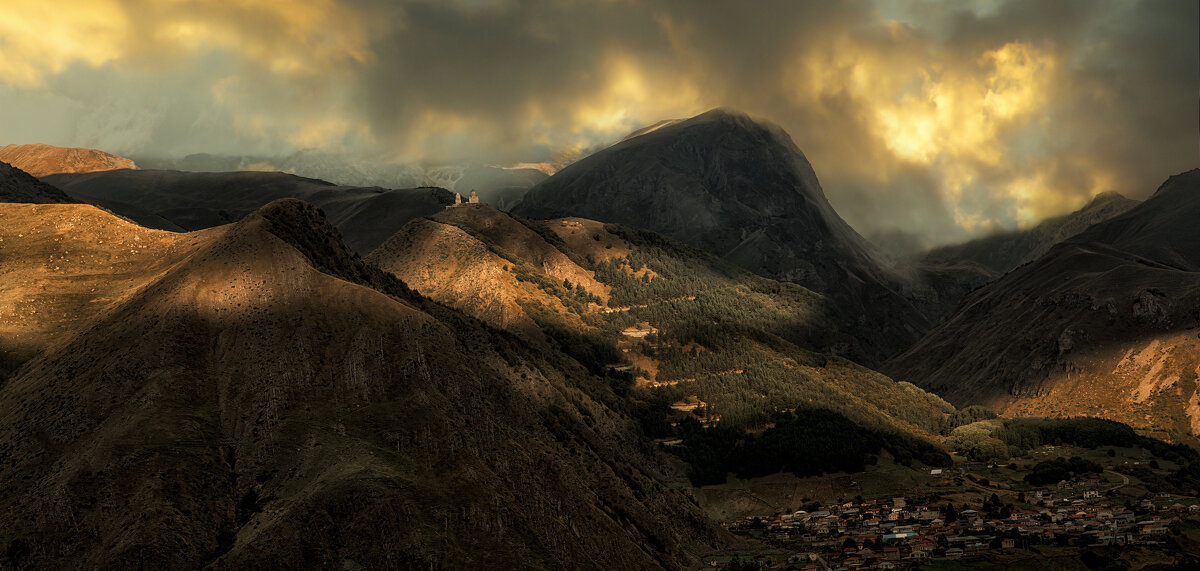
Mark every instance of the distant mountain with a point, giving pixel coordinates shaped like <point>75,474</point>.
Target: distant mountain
<point>687,325</point>
<point>1000,253</point>
<point>262,398</point>
<point>17,185</point>
<point>1103,324</point>
<point>499,186</point>
<point>952,272</point>
<point>174,200</point>
<point>40,160</point>
<point>740,189</point>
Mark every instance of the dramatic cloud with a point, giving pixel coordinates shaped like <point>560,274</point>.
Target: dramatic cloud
<point>927,122</point>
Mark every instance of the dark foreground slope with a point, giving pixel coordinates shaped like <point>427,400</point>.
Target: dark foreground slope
<point>17,185</point>
<point>739,189</point>
<point>1104,324</point>
<point>366,216</point>
<point>270,401</point>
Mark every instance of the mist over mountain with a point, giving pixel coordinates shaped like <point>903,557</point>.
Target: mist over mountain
<point>501,186</point>
<point>952,272</point>
<point>1104,324</point>
<point>740,189</point>
<point>1000,253</point>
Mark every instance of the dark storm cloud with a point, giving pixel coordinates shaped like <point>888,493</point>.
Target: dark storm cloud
<point>935,120</point>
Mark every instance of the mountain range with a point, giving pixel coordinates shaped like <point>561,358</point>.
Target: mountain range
<point>176,200</point>
<point>258,369</point>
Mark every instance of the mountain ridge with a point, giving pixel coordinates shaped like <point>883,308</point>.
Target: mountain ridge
<point>193,201</point>
<point>39,159</point>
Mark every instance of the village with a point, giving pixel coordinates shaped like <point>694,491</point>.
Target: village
<point>902,533</point>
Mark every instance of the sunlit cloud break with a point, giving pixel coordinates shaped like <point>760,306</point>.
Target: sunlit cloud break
<point>940,120</point>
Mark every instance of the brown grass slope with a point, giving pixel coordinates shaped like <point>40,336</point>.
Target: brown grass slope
<point>1105,324</point>
<point>40,160</point>
<point>64,264</point>
<point>489,265</point>
<point>270,401</point>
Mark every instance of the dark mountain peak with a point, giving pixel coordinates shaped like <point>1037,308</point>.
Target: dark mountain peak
<point>739,188</point>
<point>17,185</point>
<point>727,115</point>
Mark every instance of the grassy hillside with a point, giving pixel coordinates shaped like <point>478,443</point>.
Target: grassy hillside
<point>691,338</point>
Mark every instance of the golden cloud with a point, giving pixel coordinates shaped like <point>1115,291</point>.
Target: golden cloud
<point>42,38</point>
<point>38,38</point>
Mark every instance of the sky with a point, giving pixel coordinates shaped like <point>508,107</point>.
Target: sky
<point>927,122</point>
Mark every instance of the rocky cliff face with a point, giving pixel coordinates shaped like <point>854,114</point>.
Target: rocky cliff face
<point>41,160</point>
<point>740,189</point>
<point>1104,324</point>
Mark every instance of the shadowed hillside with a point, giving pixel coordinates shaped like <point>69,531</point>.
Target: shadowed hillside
<point>267,400</point>
<point>17,185</point>
<point>952,272</point>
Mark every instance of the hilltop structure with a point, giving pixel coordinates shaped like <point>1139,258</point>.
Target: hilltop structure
<point>458,201</point>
